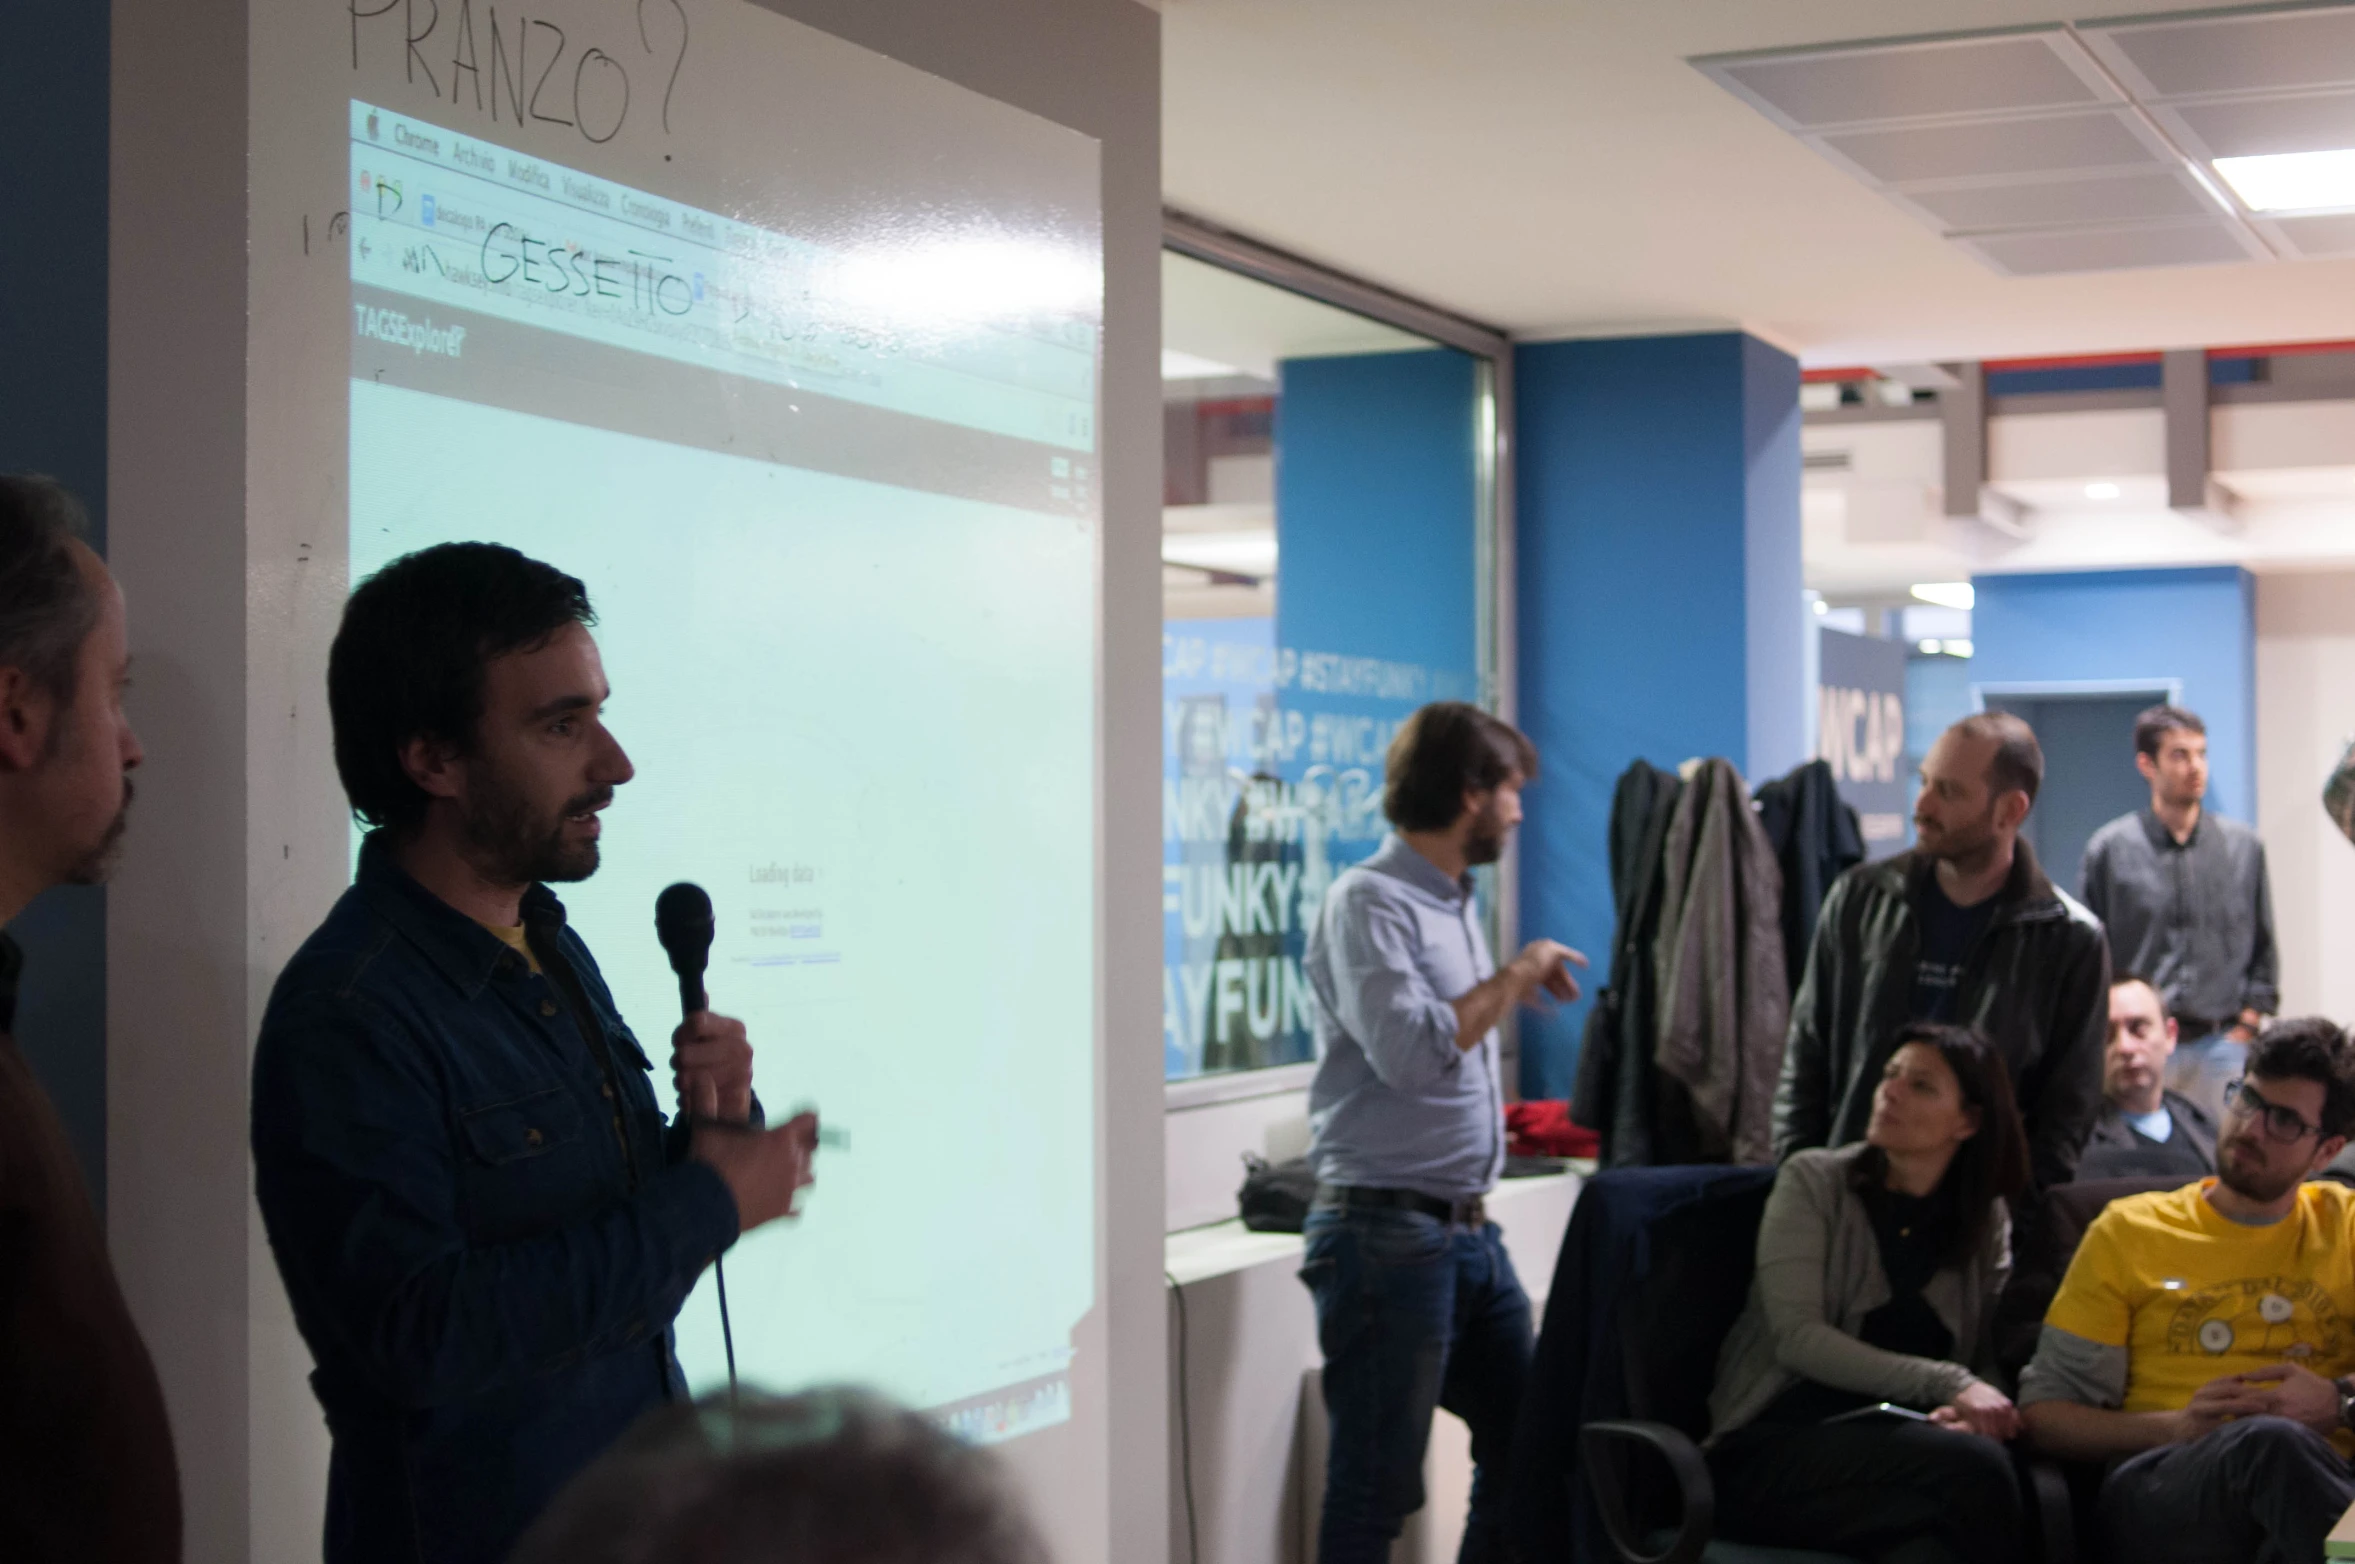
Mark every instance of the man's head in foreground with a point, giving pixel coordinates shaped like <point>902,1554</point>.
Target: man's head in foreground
<point>1978,783</point>
<point>2291,1112</point>
<point>468,698</point>
<point>2141,1041</point>
<point>829,1477</point>
<point>66,750</point>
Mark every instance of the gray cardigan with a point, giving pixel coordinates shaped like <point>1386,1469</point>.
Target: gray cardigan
<point>1819,1274</point>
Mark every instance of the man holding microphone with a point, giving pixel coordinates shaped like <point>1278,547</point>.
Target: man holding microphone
<point>484,1225</point>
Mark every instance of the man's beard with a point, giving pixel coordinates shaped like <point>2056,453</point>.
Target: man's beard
<point>510,843</point>
<point>1485,842</point>
<point>97,865</point>
<point>2261,1189</point>
<point>1969,841</point>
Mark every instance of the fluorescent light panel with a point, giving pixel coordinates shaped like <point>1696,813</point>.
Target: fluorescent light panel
<point>2292,181</point>
<point>1946,594</point>
<point>1179,365</point>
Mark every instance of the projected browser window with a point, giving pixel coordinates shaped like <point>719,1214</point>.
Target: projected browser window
<point>837,509</point>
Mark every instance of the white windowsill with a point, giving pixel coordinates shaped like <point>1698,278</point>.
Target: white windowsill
<point>1236,1086</point>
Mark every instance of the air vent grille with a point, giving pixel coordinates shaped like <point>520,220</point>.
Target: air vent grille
<point>2079,146</point>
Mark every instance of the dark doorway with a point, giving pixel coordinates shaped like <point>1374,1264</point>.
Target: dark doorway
<point>2089,775</point>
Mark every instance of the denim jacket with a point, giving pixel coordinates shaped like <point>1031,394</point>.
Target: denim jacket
<point>482,1226</point>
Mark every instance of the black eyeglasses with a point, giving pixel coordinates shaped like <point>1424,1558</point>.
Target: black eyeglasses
<point>2280,1123</point>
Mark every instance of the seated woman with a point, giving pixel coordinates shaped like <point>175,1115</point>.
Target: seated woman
<point>1878,1269</point>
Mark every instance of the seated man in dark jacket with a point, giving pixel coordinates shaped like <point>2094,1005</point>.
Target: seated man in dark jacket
<point>482,1224</point>
<point>1965,929</point>
<point>2144,1130</point>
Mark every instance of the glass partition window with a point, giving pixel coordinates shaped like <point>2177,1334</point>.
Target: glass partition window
<point>1323,533</point>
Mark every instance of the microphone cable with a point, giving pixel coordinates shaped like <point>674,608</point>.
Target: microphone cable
<point>719,1277</point>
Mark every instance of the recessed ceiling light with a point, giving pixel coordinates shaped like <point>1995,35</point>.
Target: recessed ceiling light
<point>1822,607</point>
<point>1946,594</point>
<point>2292,181</point>
<point>2101,491</point>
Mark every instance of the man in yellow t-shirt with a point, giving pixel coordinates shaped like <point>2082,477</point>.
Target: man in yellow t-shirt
<point>2204,1338</point>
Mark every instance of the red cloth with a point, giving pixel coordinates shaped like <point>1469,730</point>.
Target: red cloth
<point>1543,1129</point>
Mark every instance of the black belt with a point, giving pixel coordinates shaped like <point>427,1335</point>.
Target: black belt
<point>1469,1211</point>
<point>2193,1029</point>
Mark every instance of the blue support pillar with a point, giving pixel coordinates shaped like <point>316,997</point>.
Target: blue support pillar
<point>1660,604</point>
<point>54,99</point>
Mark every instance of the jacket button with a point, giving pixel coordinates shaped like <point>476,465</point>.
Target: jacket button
<point>607,1089</point>
<point>547,1007</point>
<point>531,1137</point>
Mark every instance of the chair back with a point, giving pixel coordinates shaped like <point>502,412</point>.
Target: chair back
<point>1674,1319</point>
<point>1680,1240</point>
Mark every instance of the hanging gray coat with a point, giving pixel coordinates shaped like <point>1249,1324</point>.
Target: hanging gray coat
<point>1724,1000</point>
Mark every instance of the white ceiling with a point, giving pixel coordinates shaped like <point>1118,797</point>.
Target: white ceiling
<point>1556,167</point>
<point>1226,318</point>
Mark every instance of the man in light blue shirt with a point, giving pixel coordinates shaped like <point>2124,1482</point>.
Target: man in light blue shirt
<point>1417,1304</point>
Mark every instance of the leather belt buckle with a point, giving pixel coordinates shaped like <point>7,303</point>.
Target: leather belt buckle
<point>1472,1213</point>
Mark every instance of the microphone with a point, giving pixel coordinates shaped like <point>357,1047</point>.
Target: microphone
<point>682,921</point>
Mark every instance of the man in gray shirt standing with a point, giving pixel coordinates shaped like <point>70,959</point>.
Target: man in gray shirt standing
<point>1417,1304</point>
<point>2184,896</point>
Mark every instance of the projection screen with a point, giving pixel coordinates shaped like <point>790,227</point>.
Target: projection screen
<point>791,354</point>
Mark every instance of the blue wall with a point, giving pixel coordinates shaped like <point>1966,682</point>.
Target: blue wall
<point>2199,626</point>
<point>1660,607</point>
<point>53,143</point>
<point>1374,508</point>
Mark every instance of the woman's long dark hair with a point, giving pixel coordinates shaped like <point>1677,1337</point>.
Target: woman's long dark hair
<point>1993,1164</point>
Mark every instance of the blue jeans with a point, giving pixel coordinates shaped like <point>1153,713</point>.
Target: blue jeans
<point>1413,1313</point>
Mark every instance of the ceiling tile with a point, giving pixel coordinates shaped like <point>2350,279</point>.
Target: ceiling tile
<point>2237,53</point>
<point>2060,143</point>
<point>2060,203</point>
<point>1919,81</point>
<point>2111,249</point>
<point>2252,127</point>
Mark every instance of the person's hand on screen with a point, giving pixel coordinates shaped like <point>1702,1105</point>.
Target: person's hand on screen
<point>766,1170</point>
<point>1546,964</point>
<point>711,1068</point>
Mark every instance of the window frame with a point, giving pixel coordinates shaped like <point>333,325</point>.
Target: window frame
<point>1492,354</point>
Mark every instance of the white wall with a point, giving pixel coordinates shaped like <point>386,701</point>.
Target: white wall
<point>2305,716</point>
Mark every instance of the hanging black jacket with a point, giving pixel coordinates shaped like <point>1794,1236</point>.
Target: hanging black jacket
<point>1613,1094</point>
<point>1816,840</point>
<point>2036,983</point>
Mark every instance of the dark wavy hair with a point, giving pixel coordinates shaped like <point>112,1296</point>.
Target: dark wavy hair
<point>408,660</point>
<point>2153,723</point>
<point>1443,751</point>
<point>1993,1164</point>
<point>2310,1048</point>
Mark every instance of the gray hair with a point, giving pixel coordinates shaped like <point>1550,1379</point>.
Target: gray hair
<point>47,607</point>
<point>833,1476</point>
